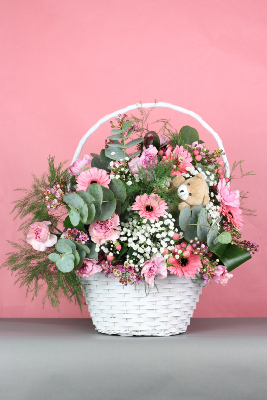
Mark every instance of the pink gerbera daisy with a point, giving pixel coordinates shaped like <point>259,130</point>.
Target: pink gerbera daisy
<point>187,266</point>
<point>233,215</point>
<point>150,206</point>
<point>92,175</point>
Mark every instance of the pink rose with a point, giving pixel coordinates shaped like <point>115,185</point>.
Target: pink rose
<point>226,195</point>
<point>134,164</point>
<point>221,275</point>
<point>88,268</point>
<point>155,267</point>
<point>149,157</point>
<point>102,231</point>
<point>39,236</point>
<point>78,166</point>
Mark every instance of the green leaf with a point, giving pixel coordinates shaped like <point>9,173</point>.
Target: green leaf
<point>115,153</point>
<point>107,195</point>
<point>83,247</point>
<point>116,145</point>
<point>213,232</point>
<point>76,258</point>
<point>54,257</point>
<point>68,224</point>
<point>65,263</point>
<point>134,154</point>
<point>191,229</point>
<point>74,216</point>
<point>189,134</point>
<point>82,255</point>
<point>108,209</point>
<point>203,225</point>
<point>196,210</point>
<point>95,155</point>
<point>116,137</point>
<point>96,191</point>
<point>106,160</point>
<point>218,249</point>
<point>119,189</point>
<point>134,142</point>
<point>185,214</point>
<point>87,197</point>
<point>73,200</point>
<point>116,131</point>
<point>129,133</point>
<point>234,256</point>
<point>93,253</point>
<point>91,214</point>
<point>123,250</point>
<point>84,213</point>
<point>97,163</point>
<point>118,208</point>
<point>126,125</point>
<point>225,237</point>
<point>69,242</point>
<point>63,247</point>
<point>98,210</point>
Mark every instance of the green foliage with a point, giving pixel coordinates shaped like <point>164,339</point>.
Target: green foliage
<point>233,256</point>
<point>32,205</point>
<point>203,225</point>
<point>225,237</point>
<point>115,153</point>
<point>35,270</point>
<point>119,189</point>
<point>188,134</point>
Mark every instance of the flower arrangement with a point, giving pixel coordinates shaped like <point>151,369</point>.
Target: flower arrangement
<point>165,207</point>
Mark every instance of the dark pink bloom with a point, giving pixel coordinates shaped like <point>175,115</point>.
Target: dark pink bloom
<point>186,266</point>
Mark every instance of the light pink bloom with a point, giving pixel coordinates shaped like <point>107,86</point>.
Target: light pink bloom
<point>162,140</point>
<point>88,268</point>
<point>134,164</point>
<point>196,145</point>
<point>78,166</point>
<point>180,157</point>
<point>149,157</point>
<point>92,175</point>
<point>186,266</point>
<point>233,215</point>
<point>154,267</point>
<point>102,231</point>
<point>226,195</point>
<point>150,206</point>
<point>39,236</point>
<point>221,275</point>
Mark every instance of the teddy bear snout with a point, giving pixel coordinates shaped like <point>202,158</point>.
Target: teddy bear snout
<point>182,192</point>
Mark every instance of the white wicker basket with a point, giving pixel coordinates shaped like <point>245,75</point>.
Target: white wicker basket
<point>128,311</point>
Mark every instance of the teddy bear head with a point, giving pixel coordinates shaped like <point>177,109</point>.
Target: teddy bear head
<point>193,191</point>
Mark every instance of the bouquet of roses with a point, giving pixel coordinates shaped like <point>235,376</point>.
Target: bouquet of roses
<point>165,207</point>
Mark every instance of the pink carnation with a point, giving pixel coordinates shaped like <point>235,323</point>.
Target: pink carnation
<point>181,159</point>
<point>78,166</point>
<point>154,267</point>
<point>39,236</point>
<point>149,157</point>
<point>134,164</point>
<point>92,175</point>
<point>150,206</point>
<point>221,275</point>
<point>88,268</point>
<point>186,266</point>
<point>102,231</point>
<point>226,195</point>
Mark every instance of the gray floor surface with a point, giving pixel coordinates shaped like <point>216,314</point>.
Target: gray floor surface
<point>56,359</point>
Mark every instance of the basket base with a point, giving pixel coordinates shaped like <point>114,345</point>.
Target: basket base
<point>127,310</point>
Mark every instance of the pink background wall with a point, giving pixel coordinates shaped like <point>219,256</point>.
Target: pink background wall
<point>65,64</point>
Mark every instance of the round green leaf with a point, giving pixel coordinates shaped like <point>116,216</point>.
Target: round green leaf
<point>63,247</point>
<point>119,189</point>
<point>53,257</point>
<point>185,214</point>
<point>74,216</point>
<point>115,153</point>
<point>65,263</point>
<point>189,134</point>
<point>225,237</point>
<point>96,191</point>
<point>73,200</point>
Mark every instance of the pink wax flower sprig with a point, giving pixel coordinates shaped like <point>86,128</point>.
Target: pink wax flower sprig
<point>126,274</point>
<point>39,236</point>
<point>54,196</point>
<point>75,235</point>
<point>150,206</point>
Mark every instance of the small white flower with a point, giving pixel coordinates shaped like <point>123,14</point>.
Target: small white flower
<point>111,163</point>
<point>129,183</point>
<point>112,154</point>
<point>127,158</point>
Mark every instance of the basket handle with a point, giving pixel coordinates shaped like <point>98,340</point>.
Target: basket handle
<point>151,105</point>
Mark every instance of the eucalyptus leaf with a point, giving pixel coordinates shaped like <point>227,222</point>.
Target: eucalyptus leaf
<point>189,134</point>
<point>68,224</point>
<point>76,258</point>
<point>116,131</point>
<point>116,145</point>
<point>65,263</point>
<point>134,154</point>
<point>73,200</point>
<point>108,195</point>
<point>196,210</point>
<point>213,232</point>
<point>63,247</point>
<point>82,255</point>
<point>203,225</point>
<point>96,191</point>
<point>116,137</point>
<point>185,214</point>
<point>87,197</point>
<point>98,210</point>
<point>84,213</point>
<point>93,253</point>
<point>119,189</point>
<point>134,142</point>
<point>74,216</point>
<point>191,229</point>
<point>83,247</point>
<point>108,208</point>
<point>69,242</point>
<point>91,214</point>
<point>97,163</point>
<point>225,237</point>
<point>95,155</point>
<point>126,125</point>
<point>53,257</point>
<point>105,160</point>
<point>115,153</point>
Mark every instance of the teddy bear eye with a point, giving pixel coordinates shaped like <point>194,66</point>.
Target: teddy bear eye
<point>188,184</point>
<point>190,194</point>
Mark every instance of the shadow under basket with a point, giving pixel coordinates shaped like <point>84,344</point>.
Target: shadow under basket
<point>129,311</point>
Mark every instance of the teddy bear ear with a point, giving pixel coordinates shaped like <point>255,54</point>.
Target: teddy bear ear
<point>201,176</point>
<point>177,181</point>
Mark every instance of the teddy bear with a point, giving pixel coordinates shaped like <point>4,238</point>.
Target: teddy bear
<point>191,192</point>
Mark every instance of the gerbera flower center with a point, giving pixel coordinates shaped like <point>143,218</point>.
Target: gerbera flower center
<point>183,261</point>
<point>149,208</point>
<point>93,181</point>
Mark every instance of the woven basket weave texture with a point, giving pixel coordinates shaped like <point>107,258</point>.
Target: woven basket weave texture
<point>128,311</point>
